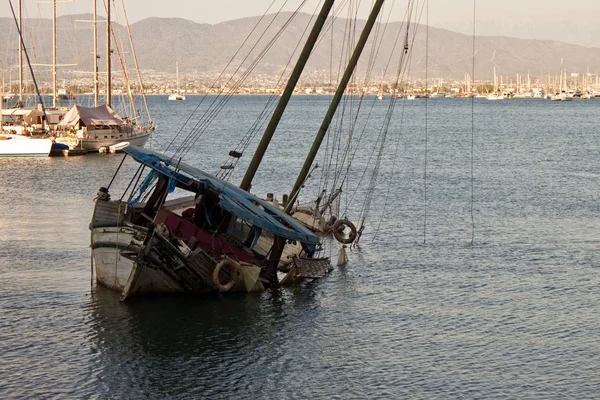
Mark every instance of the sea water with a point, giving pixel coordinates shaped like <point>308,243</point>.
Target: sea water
<point>477,275</point>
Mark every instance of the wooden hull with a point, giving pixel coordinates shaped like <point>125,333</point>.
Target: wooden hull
<point>108,243</point>
<point>135,260</point>
<point>117,253</point>
<point>116,249</point>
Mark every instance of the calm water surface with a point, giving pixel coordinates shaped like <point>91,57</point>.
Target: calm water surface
<point>418,312</point>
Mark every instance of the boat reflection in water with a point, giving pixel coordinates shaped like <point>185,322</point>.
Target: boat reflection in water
<point>174,346</point>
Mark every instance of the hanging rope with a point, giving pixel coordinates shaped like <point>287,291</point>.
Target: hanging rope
<point>218,79</point>
<point>263,117</point>
<point>398,78</point>
<point>395,157</point>
<point>426,130</point>
<point>402,70</point>
<point>220,100</point>
<point>473,135</point>
<point>339,161</point>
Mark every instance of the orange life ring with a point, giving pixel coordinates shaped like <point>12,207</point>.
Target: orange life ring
<point>338,231</point>
<point>232,266</point>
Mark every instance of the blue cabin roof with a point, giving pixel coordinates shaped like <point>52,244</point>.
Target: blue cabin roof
<point>233,199</point>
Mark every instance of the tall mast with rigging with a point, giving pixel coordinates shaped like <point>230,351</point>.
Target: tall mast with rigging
<point>285,97</point>
<point>334,103</point>
<point>94,23</point>
<point>54,53</point>
<point>177,72</point>
<point>54,43</point>
<point>137,69</point>
<point>108,71</point>
<point>20,102</point>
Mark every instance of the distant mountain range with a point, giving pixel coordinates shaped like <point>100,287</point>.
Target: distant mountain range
<point>205,49</point>
<point>578,26</point>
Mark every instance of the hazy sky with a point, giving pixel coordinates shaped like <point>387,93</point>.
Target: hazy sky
<point>570,21</point>
<point>214,11</point>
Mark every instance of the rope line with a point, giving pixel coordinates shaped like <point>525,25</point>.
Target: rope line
<point>426,126</point>
<point>473,134</point>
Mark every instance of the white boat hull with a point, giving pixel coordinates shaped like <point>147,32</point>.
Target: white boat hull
<point>95,143</point>
<point>23,146</point>
<point>112,269</point>
<point>114,250</point>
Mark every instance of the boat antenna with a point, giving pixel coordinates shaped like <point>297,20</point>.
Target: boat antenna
<point>28,62</point>
<point>285,97</point>
<point>364,36</point>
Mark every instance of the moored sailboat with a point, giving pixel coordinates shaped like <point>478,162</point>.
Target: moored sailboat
<point>12,145</point>
<point>20,144</point>
<point>177,95</point>
<point>93,128</point>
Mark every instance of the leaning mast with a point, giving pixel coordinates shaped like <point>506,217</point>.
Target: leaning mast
<point>285,97</point>
<point>334,104</point>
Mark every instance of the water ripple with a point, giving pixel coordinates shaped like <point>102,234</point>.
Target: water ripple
<point>512,316</point>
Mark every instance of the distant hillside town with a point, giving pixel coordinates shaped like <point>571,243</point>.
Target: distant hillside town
<point>203,51</point>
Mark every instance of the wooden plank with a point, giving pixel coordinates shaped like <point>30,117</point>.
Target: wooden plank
<point>109,211</point>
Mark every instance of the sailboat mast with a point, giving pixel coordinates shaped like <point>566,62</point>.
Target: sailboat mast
<point>561,76</point>
<point>37,89</point>
<point>20,102</point>
<point>54,52</point>
<point>334,103</point>
<point>95,56</point>
<point>1,101</point>
<point>108,72</point>
<point>285,97</point>
<point>137,67</point>
<point>177,73</point>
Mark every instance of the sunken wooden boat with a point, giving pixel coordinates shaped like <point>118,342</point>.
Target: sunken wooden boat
<point>211,235</point>
<point>218,237</point>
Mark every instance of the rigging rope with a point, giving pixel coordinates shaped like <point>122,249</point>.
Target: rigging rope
<point>395,158</point>
<point>261,120</point>
<point>473,134</point>
<point>118,41</point>
<point>343,164</point>
<point>426,130</point>
<point>383,136</point>
<point>212,111</point>
<point>222,73</point>
<point>392,100</point>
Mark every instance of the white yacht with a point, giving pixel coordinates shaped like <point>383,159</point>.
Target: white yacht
<point>12,145</point>
<point>177,95</point>
<point>495,96</point>
<point>562,96</point>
